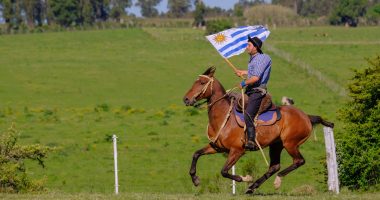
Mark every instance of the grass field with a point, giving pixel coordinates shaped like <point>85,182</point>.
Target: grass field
<point>73,90</point>
<point>268,196</point>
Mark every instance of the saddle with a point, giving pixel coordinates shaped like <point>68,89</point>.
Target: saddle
<point>268,113</point>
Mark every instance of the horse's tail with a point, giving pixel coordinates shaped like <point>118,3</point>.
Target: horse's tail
<point>318,120</point>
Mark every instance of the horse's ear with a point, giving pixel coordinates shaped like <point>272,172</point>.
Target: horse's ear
<point>210,71</point>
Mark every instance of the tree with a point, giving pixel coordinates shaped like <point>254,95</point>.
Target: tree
<point>30,8</point>
<point>12,14</point>
<point>217,12</point>
<point>373,13</point>
<point>293,4</point>
<point>66,13</point>
<point>101,9</point>
<point>118,8</point>
<point>317,7</point>
<point>200,10</point>
<point>148,7</point>
<point>243,4</point>
<point>178,8</point>
<point>348,12</point>
<point>87,15</point>
<point>358,147</point>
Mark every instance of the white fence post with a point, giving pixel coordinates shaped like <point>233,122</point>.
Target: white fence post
<point>233,181</point>
<point>332,166</point>
<point>114,138</point>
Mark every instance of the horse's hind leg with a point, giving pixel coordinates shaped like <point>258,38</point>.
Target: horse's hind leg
<point>233,156</point>
<point>298,161</point>
<point>193,169</point>
<point>275,155</point>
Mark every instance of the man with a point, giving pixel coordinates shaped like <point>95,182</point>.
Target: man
<point>258,73</point>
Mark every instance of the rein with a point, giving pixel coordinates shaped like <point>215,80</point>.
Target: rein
<point>220,98</point>
<point>223,124</point>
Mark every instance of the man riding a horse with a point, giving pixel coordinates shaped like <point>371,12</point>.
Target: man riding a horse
<point>226,134</point>
<point>258,73</point>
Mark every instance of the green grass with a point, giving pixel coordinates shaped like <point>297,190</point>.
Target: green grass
<point>331,50</point>
<point>54,86</point>
<point>271,196</point>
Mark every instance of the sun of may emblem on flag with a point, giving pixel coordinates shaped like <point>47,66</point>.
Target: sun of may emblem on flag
<point>220,38</point>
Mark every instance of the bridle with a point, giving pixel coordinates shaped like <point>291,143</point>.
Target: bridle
<point>201,92</point>
<point>204,89</point>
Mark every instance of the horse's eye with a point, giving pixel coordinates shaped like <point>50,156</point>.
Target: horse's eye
<point>202,83</point>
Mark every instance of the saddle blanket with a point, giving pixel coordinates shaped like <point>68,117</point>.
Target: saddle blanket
<point>266,116</point>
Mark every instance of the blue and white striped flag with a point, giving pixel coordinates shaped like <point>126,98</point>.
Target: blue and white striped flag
<point>233,41</point>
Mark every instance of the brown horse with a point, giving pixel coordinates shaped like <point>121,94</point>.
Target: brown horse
<point>226,135</point>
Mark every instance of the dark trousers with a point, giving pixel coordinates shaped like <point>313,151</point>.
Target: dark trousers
<point>254,101</point>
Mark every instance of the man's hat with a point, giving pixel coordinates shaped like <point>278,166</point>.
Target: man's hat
<point>256,42</point>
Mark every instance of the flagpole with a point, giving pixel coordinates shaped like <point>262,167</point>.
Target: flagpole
<point>232,66</point>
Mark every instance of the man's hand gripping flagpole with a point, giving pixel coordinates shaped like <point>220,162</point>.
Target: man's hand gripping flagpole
<point>233,42</point>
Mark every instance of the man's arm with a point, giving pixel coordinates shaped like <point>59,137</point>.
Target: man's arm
<point>252,80</point>
<point>241,72</point>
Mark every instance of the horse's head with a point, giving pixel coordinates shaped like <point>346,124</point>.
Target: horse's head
<point>201,89</point>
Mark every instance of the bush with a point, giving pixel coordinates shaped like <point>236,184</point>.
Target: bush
<point>358,148</point>
<point>13,176</point>
<point>102,107</point>
<point>275,15</point>
<point>215,26</point>
<point>373,14</point>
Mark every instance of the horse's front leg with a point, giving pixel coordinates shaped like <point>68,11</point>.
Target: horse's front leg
<point>233,157</point>
<point>193,169</point>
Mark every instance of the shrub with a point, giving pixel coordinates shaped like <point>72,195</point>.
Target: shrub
<point>214,26</point>
<point>13,176</point>
<point>102,107</point>
<point>373,14</point>
<point>271,15</point>
<point>358,148</point>
<point>190,111</point>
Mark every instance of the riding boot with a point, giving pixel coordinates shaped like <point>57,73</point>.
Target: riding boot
<point>251,144</point>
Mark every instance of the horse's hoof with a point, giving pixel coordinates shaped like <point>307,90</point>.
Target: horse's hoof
<point>249,191</point>
<point>196,180</point>
<point>247,178</point>
<point>277,182</point>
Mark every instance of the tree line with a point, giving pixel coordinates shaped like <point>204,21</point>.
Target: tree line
<point>338,11</point>
<point>68,13</point>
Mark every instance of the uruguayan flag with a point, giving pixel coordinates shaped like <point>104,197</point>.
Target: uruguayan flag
<point>233,41</point>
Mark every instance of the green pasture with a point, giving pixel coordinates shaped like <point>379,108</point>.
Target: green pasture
<point>334,51</point>
<point>73,90</point>
<point>130,196</point>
